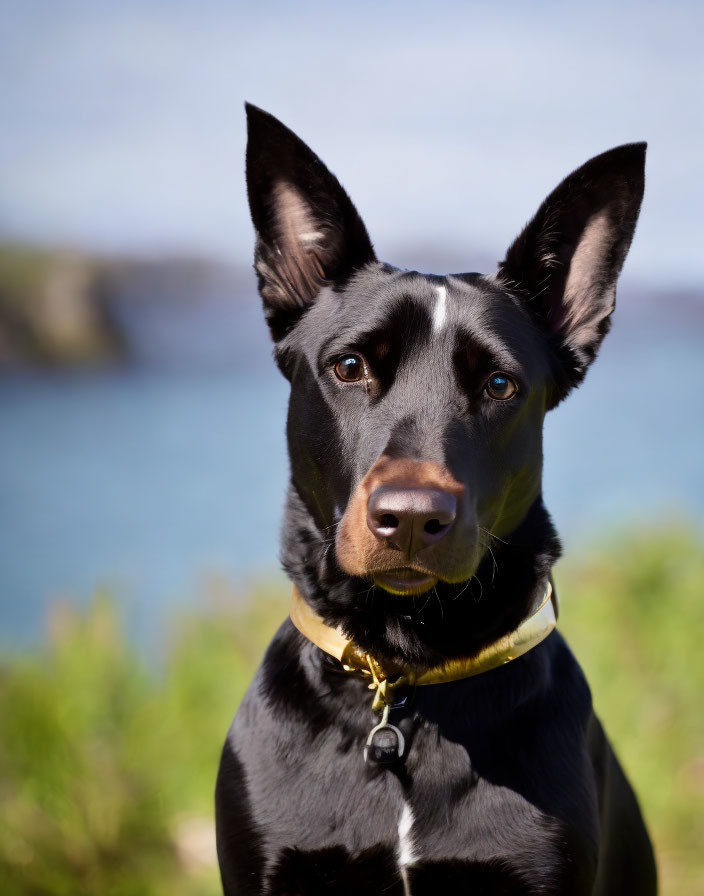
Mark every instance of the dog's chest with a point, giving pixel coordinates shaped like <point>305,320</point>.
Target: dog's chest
<point>460,831</point>
<point>432,823</point>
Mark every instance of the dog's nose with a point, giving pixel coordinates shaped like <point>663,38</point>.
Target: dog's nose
<point>410,519</point>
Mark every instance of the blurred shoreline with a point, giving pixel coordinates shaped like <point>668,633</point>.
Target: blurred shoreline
<point>143,425</point>
<point>70,309</point>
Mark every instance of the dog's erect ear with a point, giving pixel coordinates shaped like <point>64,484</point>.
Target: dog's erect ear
<point>308,232</point>
<point>566,261</point>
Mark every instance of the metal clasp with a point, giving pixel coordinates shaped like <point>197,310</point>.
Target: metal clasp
<point>392,752</point>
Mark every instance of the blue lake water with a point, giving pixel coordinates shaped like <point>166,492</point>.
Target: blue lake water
<point>147,482</point>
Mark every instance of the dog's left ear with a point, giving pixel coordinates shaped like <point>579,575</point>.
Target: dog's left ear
<point>566,262</point>
<point>309,233</point>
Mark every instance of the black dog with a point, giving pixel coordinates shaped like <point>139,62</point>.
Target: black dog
<point>417,539</point>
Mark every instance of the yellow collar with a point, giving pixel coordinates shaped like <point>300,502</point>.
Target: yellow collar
<point>385,680</point>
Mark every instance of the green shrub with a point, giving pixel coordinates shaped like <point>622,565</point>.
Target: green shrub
<point>633,612</point>
<point>107,767</point>
<point>107,762</point>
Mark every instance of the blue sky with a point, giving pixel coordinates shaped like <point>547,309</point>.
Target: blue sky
<point>123,128</point>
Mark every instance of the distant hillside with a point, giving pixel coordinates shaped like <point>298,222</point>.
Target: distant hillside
<point>60,308</point>
<point>49,309</point>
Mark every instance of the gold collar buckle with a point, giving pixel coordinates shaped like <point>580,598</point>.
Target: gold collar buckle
<point>384,688</point>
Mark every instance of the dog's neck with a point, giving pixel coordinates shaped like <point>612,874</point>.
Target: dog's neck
<point>450,622</point>
<point>333,641</point>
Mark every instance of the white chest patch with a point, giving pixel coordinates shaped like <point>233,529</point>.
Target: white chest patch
<point>440,312</point>
<point>406,852</point>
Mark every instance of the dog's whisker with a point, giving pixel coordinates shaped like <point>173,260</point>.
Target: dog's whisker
<point>466,586</point>
<point>331,526</point>
<point>425,603</point>
<point>368,596</point>
<point>495,567</point>
<point>491,535</point>
<point>481,590</point>
<point>442,610</point>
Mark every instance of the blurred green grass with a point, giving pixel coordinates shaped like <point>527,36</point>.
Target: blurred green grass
<point>633,612</point>
<point>108,763</point>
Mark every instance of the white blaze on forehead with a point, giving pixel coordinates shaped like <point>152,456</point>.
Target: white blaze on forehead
<point>440,312</point>
<point>311,237</point>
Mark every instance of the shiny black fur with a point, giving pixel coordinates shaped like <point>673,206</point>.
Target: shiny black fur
<point>512,784</point>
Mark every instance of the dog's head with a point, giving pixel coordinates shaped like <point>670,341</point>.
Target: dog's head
<point>417,401</point>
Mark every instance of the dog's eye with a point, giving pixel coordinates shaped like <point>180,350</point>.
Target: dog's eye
<point>500,387</point>
<point>350,369</point>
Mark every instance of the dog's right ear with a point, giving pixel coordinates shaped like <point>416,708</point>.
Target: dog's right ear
<point>309,233</point>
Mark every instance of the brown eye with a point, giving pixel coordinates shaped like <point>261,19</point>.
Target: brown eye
<point>350,369</point>
<point>500,387</point>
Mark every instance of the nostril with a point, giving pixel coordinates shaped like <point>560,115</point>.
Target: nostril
<point>410,518</point>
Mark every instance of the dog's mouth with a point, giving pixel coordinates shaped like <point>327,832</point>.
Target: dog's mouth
<point>405,581</point>
<point>418,577</point>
